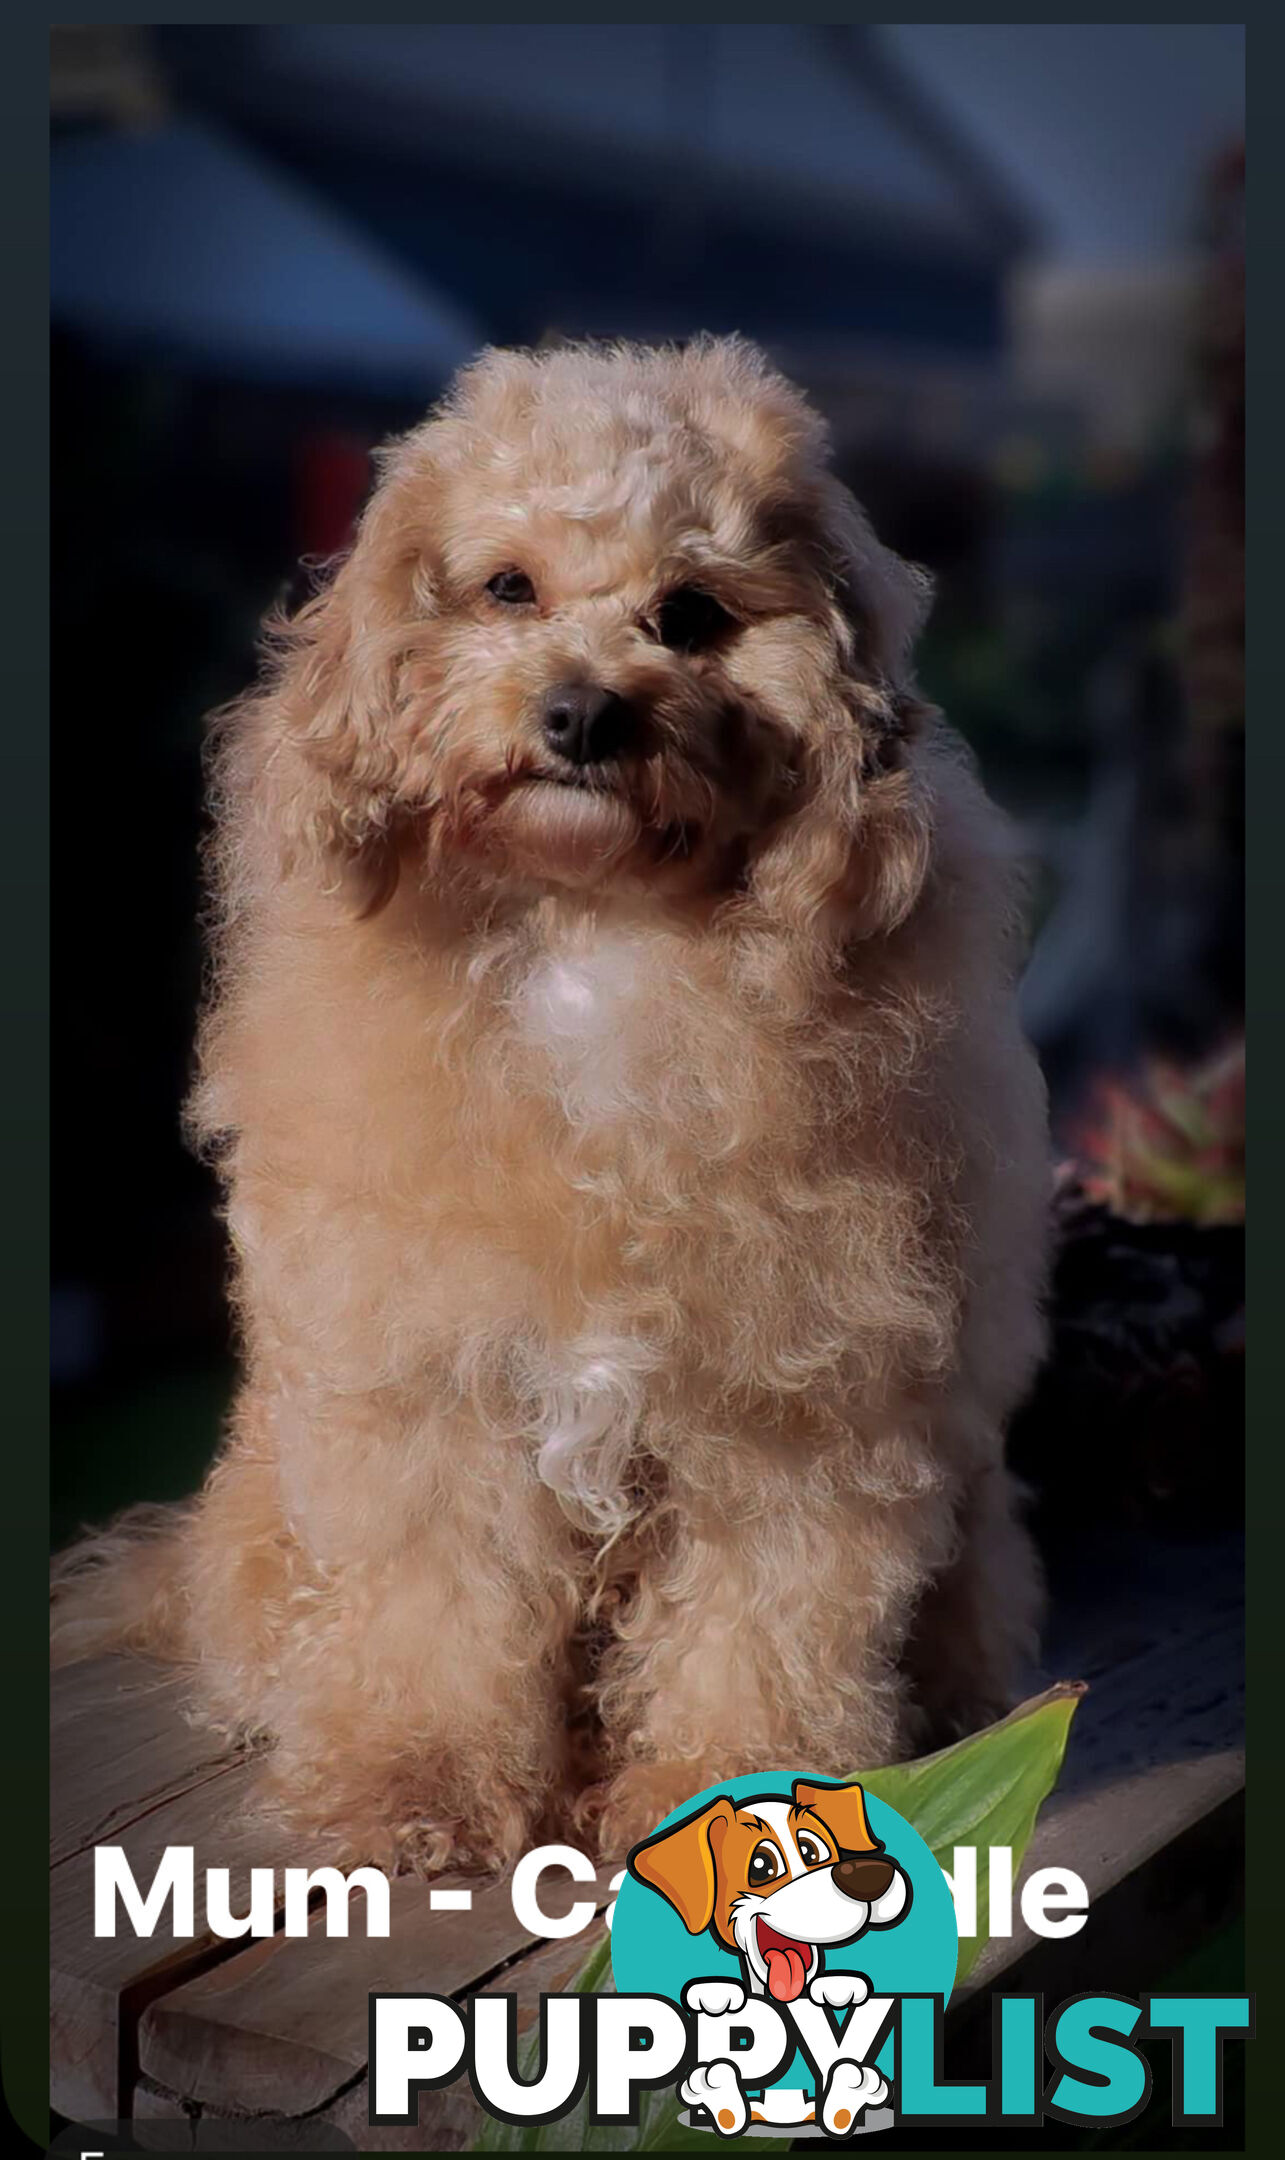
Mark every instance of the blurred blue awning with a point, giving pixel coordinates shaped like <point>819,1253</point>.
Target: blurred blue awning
<point>176,240</point>
<point>813,122</point>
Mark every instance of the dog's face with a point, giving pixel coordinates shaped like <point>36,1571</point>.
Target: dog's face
<point>777,1880</point>
<point>608,620</point>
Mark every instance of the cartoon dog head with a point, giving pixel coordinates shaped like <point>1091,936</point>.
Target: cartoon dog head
<point>776,1880</point>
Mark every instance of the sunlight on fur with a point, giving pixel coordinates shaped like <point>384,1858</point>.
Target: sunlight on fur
<point>635,1174</point>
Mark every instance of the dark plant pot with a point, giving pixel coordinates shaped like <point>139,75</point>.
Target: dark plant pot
<point>1138,1412</point>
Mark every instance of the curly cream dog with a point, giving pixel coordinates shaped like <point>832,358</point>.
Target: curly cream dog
<point>635,1172</point>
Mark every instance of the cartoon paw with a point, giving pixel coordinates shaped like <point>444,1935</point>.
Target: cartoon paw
<point>714,1998</point>
<point>839,1990</point>
<point>716,2086</point>
<point>852,2088</point>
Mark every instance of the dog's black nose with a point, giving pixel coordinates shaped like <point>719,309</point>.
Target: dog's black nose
<point>586,723</point>
<point>863,1875</point>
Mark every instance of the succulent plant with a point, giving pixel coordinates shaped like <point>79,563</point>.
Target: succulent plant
<point>1170,1148</point>
<point>1144,1382</point>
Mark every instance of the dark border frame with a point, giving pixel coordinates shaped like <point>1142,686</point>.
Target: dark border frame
<point>24,1080</point>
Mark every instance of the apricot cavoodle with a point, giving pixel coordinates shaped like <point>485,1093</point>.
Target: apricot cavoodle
<point>635,1172</point>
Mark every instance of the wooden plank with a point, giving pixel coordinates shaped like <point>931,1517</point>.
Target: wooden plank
<point>98,1985</point>
<point>122,1755</point>
<point>449,2121</point>
<point>129,1770</point>
<point>1155,1751</point>
<point>160,2123</point>
<point>278,2028</point>
<point>281,2029</point>
<point>1151,1901</point>
<point>119,1745</point>
<point>1157,1747</point>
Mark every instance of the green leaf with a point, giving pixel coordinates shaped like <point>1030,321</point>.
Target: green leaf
<point>985,1790</point>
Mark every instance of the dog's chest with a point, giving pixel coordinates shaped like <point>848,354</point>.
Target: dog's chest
<point>586,1028</point>
<point>579,1014</point>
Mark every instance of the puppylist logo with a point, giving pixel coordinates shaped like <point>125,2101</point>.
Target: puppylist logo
<point>787,1918</point>
<point>783,1952</point>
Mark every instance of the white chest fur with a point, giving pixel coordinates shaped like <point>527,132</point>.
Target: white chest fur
<point>581,1013</point>
<point>589,1401</point>
<point>580,1010</point>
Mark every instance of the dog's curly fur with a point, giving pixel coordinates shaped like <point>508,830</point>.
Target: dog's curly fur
<point>637,1187</point>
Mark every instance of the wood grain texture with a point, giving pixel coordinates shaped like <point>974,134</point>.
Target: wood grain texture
<point>119,1745</point>
<point>99,1984</point>
<point>1147,1812</point>
<point>1157,1747</point>
<point>450,2120</point>
<point>120,1751</point>
<point>284,2027</point>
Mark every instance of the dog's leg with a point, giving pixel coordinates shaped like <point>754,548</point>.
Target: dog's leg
<point>764,1640</point>
<point>976,1633</point>
<point>399,1636</point>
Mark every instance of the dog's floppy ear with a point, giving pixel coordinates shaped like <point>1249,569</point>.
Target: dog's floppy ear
<point>682,1863</point>
<point>842,1808</point>
<point>849,858</point>
<point>331,729</point>
<point>885,599</point>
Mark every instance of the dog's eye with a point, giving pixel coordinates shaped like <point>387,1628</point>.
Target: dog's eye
<point>765,1863</point>
<point>513,587</point>
<point>810,1852</point>
<point>688,620</point>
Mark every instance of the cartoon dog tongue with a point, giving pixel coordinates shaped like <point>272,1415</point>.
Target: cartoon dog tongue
<point>786,1973</point>
<point>786,1961</point>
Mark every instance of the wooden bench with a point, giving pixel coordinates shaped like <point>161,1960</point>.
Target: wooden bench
<point>154,2029</point>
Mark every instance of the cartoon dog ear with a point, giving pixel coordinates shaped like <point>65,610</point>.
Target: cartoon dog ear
<point>842,1808</point>
<point>682,1863</point>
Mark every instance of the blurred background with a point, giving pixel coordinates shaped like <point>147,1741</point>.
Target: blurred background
<point>1006,260</point>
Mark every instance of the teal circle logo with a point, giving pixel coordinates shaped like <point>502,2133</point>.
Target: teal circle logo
<point>808,1896</point>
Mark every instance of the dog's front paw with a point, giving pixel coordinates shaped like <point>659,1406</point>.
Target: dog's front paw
<point>617,1815</point>
<point>852,2088</point>
<point>839,1990</point>
<point>714,1998</point>
<point>716,2086</point>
